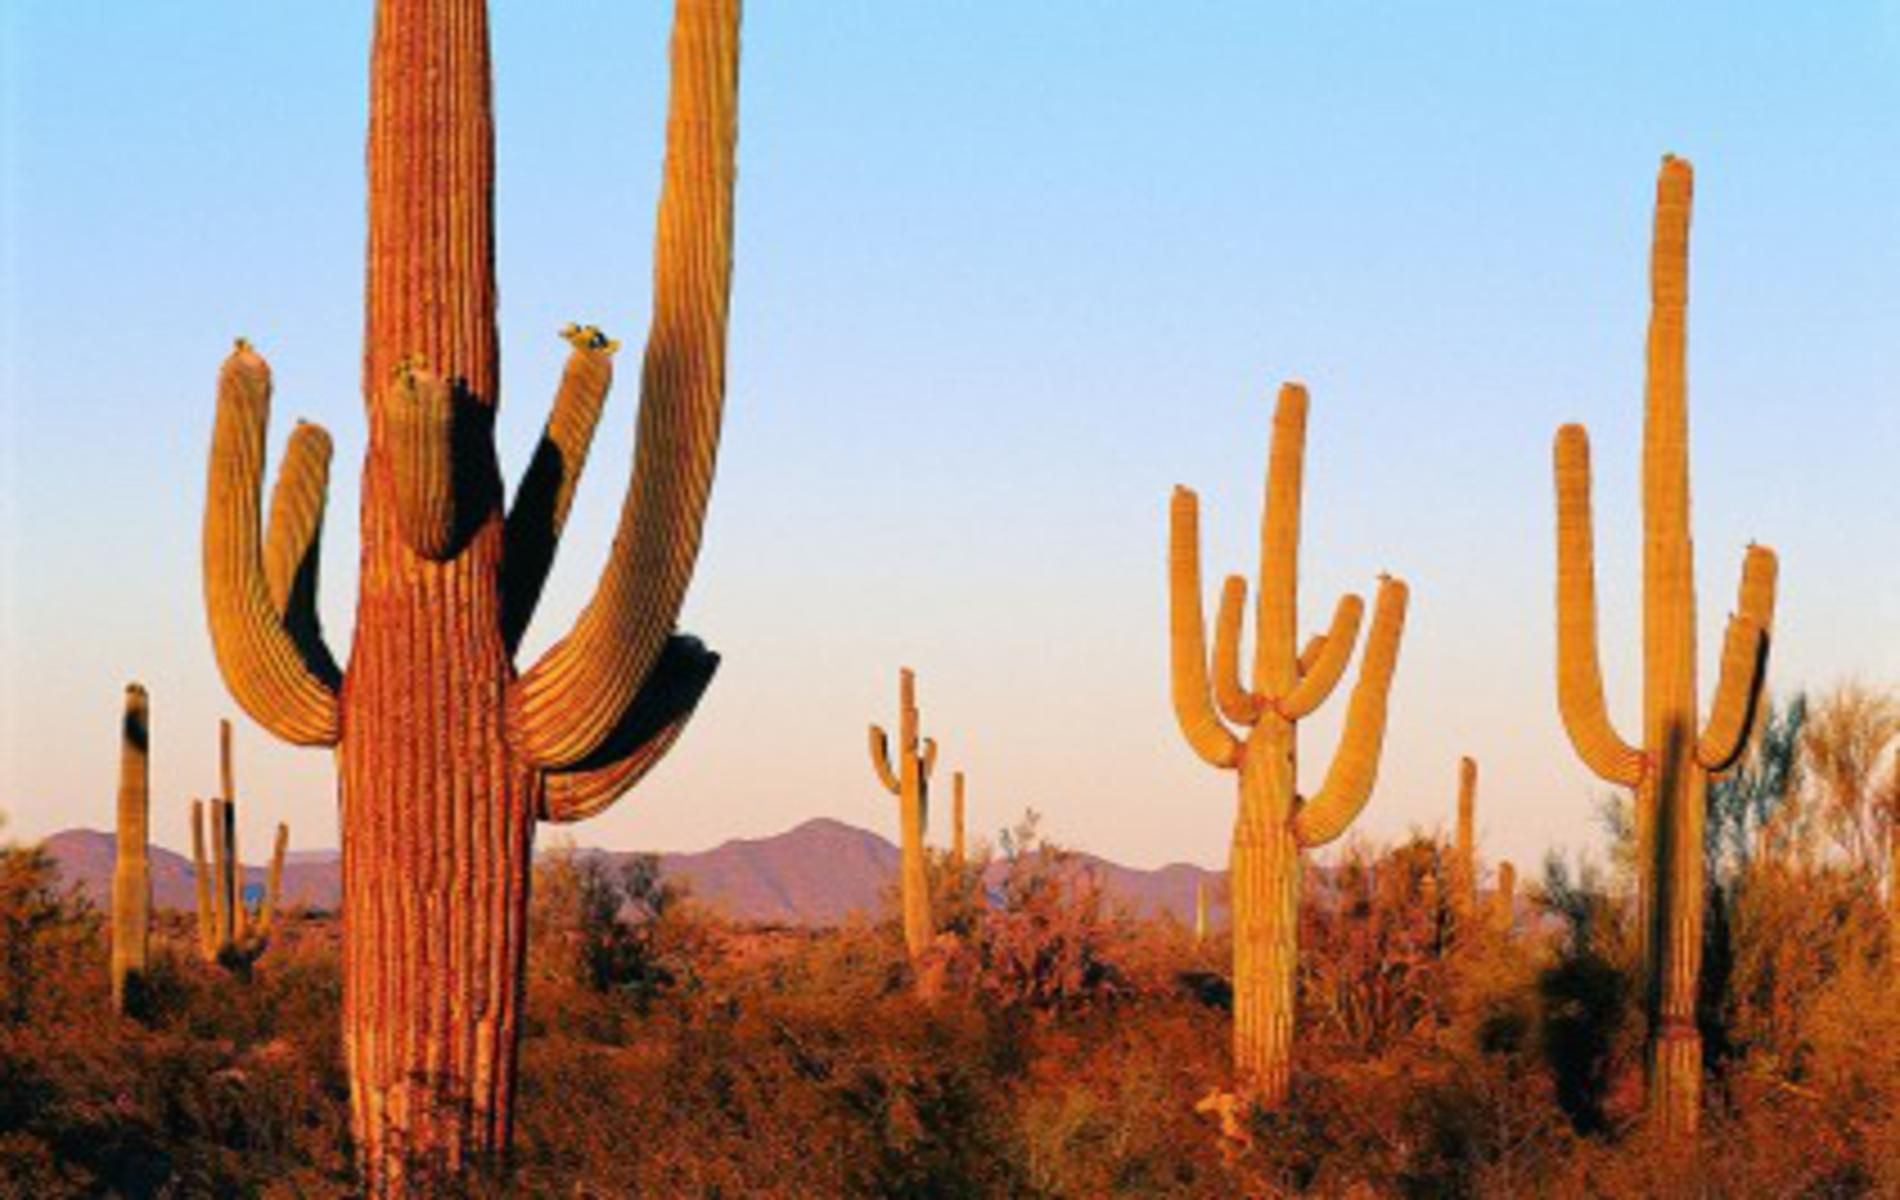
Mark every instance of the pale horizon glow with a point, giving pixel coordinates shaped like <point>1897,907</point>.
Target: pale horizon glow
<point>1006,274</point>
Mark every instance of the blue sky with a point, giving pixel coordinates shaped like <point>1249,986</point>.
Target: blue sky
<point>1006,273</point>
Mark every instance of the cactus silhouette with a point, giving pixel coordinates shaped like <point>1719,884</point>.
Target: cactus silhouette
<point>229,933</point>
<point>448,755</point>
<point>1669,773</point>
<point>1275,823</point>
<point>132,867</point>
<point>909,781</point>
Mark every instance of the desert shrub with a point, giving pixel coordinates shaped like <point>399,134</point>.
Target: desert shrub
<point>1044,942</point>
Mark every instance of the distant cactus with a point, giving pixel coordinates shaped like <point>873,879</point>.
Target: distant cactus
<point>1200,910</point>
<point>230,933</point>
<point>1504,900</point>
<point>958,848</point>
<point>909,781</point>
<point>131,868</point>
<point>1669,773</point>
<point>448,753</point>
<point>1464,862</point>
<point>1275,823</point>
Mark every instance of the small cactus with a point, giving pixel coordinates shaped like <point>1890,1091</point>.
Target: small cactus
<point>131,869</point>
<point>1504,900</point>
<point>230,934</point>
<point>1464,863</point>
<point>1200,910</point>
<point>1669,772</point>
<point>1275,824</point>
<point>958,847</point>
<point>909,781</point>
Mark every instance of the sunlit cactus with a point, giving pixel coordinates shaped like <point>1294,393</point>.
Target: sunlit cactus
<point>1200,910</point>
<point>1669,772</point>
<point>958,848</point>
<point>1275,823</point>
<point>909,780</point>
<point>1504,900</point>
<point>230,933</point>
<point>1464,863</point>
<point>131,867</point>
<point>448,755</point>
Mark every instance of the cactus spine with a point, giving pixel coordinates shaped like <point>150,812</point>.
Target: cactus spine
<point>447,754</point>
<point>909,781</point>
<point>229,933</point>
<point>1669,773</point>
<point>131,868</point>
<point>1465,853</point>
<point>1274,823</point>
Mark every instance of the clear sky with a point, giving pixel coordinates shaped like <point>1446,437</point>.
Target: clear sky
<point>1006,273</point>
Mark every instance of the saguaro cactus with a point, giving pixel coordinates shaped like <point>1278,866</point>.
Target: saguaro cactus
<point>909,781</point>
<point>131,868</point>
<point>448,756</point>
<point>1200,910</point>
<point>1669,773</point>
<point>1464,864</point>
<point>1275,823</point>
<point>1504,900</point>
<point>230,933</point>
<point>957,843</point>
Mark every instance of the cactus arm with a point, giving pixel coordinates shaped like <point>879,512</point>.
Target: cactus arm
<point>1193,709</point>
<point>419,432</point>
<point>293,540</point>
<point>1355,765</point>
<point>927,761</point>
<point>567,703</point>
<point>881,759</point>
<point>646,732</point>
<point>1744,665</point>
<point>1310,654</point>
<point>201,882</point>
<point>261,663</point>
<point>1327,669</point>
<point>1236,703</point>
<point>1579,675</point>
<point>545,495</point>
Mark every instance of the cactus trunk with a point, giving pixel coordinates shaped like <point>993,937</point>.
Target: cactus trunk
<point>1265,910</point>
<point>131,868</point>
<point>1465,851</point>
<point>1669,774</point>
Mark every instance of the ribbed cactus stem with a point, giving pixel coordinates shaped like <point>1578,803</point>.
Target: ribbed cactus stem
<point>1669,775</point>
<point>1465,852</point>
<point>909,781</point>
<point>131,868</point>
<point>1274,823</point>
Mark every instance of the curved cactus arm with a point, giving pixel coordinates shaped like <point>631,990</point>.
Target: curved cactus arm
<point>567,703</point>
<point>1579,676</point>
<point>651,725</point>
<point>927,760</point>
<point>545,495</point>
<point>1310,653</point>
<point>1236,703</point>
<point>881,759</point>
<point>293,539</point>
<point>1319,681</point>
<point>262,664</point>
<point>1355,765</point>
<point>1187,638</point>
<point>418,415</point>
<point>1744,666</point>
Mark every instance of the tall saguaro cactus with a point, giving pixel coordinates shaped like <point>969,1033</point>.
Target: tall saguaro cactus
<point>1669,772</point>
<point>448,755</point>
<point>132,868</point>
<point>1275,823</point>
<point>229,933</point>
<point>909,781</point>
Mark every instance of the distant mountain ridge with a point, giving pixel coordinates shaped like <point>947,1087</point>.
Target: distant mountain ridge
<point>818,873</point>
